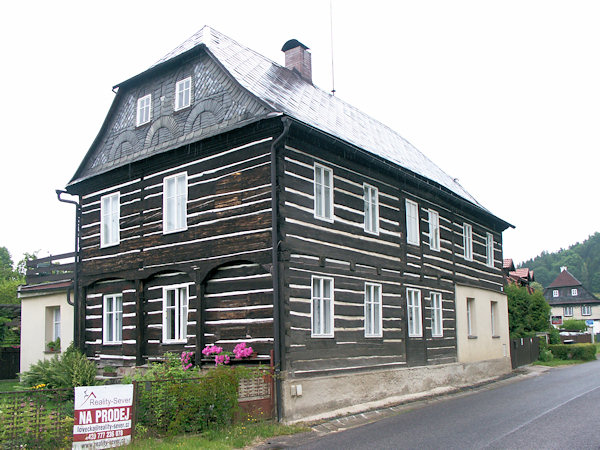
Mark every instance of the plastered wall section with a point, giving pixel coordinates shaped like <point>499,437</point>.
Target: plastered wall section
<point>330,396</point>
<point>37,325</point>
<point>477,338</point>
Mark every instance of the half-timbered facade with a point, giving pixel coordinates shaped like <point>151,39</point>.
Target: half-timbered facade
<point>227,199</point>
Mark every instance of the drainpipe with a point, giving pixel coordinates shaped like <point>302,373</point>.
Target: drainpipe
<point>278,335</point>
<point>77,307</point>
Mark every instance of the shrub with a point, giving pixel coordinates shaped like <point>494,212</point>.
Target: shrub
<point>585,352</point>
<point>177,398</point>
<point>545,355</point>
<point>574,325</point>
<point>554,336</point>
<point>68,370</point>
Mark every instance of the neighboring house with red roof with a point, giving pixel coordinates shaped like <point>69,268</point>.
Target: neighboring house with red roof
<point>569,299</point>
<point>46,308</point>
<point>521,277</point>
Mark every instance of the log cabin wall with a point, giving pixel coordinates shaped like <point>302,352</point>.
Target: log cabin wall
<point>342,250</point>
<point>225,250</point>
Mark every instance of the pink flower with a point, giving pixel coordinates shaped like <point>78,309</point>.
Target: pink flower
<point>241,351</point>
<point>210,350</point>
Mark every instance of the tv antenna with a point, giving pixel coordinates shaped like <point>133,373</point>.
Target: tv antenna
<point>331,41</point>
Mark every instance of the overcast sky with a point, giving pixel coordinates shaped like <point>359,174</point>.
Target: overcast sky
<point>503,95</point>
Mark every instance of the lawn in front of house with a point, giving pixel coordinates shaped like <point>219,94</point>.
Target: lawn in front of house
<point>235,436</point>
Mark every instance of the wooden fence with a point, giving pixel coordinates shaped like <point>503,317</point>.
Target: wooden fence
<point>524,351</point>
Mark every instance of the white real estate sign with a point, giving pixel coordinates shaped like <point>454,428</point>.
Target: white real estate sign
<point>102,416</point>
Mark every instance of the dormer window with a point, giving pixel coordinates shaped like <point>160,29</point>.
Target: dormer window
<point>574,292</point>
<point>555,293</point>
<point>183,93</point>
<point>144,111</point>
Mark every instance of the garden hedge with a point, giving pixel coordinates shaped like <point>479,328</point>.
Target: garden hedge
<point>585,352</point>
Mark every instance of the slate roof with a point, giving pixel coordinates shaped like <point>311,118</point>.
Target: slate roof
<point>287,93</point>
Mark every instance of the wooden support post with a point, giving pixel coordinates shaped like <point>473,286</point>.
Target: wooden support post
<point>200,291</point>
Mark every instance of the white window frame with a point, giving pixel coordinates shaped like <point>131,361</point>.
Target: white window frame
<point>489,250</point>
<point>371,208</point>
<point>494,318</point>
<point>175,203</point>
<point>574,292</point>
<point>112,319</point>
<point>323,193</point>
<point>468,241</point>
<point>373,310</point>
<point>434,230</point>
<point>412,222</point>
<point>55,323</point>
<point>413,313</point>
<point>183,93</point>
<point>471,317</point>
<point>555,293</point>
<point>110,211</point>
<point>586,310</point>
<point>179,310</point>
<point>437,320</point>
<point>568,311</point>
<point>322,307</point>
<point>144,110</point>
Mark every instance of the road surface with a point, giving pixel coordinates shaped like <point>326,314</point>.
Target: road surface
<point>559,409</point>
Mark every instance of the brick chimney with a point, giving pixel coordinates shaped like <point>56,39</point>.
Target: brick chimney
<point>297,58</point>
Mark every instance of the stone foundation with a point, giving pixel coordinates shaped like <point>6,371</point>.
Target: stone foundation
<point>330,396</point>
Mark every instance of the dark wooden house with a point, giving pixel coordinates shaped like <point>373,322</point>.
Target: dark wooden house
<point>227,199</point>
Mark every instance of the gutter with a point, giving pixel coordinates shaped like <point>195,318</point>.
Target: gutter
<point>77,335</point>
<point>277,307</point>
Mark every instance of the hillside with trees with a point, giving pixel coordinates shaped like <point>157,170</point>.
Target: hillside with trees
<point>582,260</point>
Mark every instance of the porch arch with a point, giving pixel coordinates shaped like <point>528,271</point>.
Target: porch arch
<point>235,301</point>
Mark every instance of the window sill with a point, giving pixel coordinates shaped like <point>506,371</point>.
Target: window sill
<point>52,352</point>
<point>112,344</point>
<point>179,230</point>
<point>495,337</point>
<point>325,219</point>
<point>472,337</point>
<point>173,342</point>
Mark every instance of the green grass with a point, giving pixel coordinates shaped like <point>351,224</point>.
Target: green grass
<point>559,362</point>
<point>10,385</point>
<point>237,436</point>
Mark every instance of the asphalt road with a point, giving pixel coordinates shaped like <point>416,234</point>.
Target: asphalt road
<point>559,409</point>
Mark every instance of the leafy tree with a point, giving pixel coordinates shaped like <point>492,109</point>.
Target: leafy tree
<point>537,286</point>
<point>22,266</point>
<point>527,313</point>
<point>9,279</point>
<point>582,259</point>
